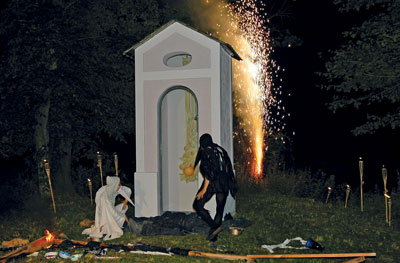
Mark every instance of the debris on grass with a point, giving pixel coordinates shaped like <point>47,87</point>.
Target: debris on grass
<point>15,242</point>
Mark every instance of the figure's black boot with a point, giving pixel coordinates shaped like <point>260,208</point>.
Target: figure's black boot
<point>214,232</point>
<point>214,239</point>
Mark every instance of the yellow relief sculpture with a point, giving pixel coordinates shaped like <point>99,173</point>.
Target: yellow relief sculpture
<point>190,149</point>
<point>185,60</point>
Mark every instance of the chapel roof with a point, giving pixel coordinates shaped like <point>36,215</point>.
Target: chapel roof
<point>228,48</point>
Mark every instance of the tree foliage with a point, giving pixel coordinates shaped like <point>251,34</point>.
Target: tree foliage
<point>63,74</point>
<point>69,54</point>
<point>364,73</point>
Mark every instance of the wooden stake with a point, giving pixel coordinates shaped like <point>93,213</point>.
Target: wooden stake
<point>90,190</point>
<point>329,194</point>
<point>100,167</point>
<point>347,195</point>
<point>361,168</point>
<point>385,190</point>
<point>116,164</point>
<point>390,210</point>
<point>47,168</point>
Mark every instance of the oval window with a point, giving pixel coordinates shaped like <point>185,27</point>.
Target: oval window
<point>177,59</point>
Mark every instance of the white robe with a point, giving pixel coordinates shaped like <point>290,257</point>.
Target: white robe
<point>109,218</point>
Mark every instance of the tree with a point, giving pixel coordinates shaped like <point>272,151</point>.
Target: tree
<point>65,86</point>
<point>364,73</point>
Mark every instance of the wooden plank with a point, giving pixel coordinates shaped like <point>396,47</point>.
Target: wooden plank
<point>214,255</point>
<point>249,257</point>
<point>356,260</point>
<point>341,255</point>
<point>30,248</point>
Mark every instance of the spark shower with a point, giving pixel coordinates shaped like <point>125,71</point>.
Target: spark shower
<point>243,24</point>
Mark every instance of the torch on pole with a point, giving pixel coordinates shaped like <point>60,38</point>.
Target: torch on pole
<point>100,167</point>
<point>329,194</point>
<point>47,168</point>
<point>385,190</point>
<point>361,168</point>
<point>390,210</point>
<point>90,190</point>
<point>116,164</point>
<point>347,195</point>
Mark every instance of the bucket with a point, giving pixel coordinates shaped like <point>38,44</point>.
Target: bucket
<point>235,230</point>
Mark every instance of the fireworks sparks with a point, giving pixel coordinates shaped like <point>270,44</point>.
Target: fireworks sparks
<point>242,24</point>
<point>253,76</point>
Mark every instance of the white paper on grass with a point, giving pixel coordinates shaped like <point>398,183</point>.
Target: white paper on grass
<point>150,253</point>
<point>285,244</point>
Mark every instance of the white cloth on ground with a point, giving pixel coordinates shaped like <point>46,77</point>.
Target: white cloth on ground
<point>108,218</point>
<point>285,244</point>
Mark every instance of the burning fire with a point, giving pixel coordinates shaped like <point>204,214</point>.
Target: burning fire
<point>48,236</point>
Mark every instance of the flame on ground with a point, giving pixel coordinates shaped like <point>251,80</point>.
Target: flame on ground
<point>49,236</point>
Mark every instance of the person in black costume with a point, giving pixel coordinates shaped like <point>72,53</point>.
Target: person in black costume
<point>219,179</point>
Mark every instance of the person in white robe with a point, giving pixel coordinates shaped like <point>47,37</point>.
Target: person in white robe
<point>109,218</point>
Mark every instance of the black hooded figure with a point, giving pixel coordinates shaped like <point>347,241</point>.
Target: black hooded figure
<point>219,179</point>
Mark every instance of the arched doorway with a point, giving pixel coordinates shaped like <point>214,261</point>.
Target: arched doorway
<point>178,144</point>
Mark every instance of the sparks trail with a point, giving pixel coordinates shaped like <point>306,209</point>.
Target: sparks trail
<point>256,99</point>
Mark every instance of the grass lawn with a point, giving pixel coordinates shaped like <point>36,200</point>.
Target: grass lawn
<point>275,217</point>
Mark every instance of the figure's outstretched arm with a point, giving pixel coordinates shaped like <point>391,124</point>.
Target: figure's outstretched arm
<point>124,204</point>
